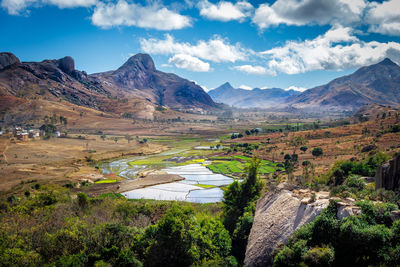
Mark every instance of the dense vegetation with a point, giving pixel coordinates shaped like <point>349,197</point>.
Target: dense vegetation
<point>370,239</point>
<point>49,227</point>
<point>239,207</point>
<point>52,225</point>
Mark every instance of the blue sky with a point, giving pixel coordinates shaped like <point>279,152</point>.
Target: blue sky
<point>282,43</point>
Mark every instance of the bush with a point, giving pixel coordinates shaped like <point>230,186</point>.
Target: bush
<point>317,151</point>
<point>319,256</point>
<point>83,200</point>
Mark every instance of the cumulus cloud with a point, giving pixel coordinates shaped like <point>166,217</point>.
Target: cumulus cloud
<point>16,7</point>
<point>384,17</point>
<point>216,49</point>
<point>245,87</point>
<point>256,70</point>
<point>122,13</point>
<point>225,11</point>
<point>295,88</point>
<point>337,49</point>
<point>189,63</point>
<point>302,12</point>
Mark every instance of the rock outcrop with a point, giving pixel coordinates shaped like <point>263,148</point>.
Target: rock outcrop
<point>66,64</point>
<point>7,59</point>
<point>388,175</point>
<point>278,215</point>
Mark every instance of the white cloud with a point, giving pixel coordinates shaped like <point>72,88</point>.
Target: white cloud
<point>16,7</point>
<point>256,70</point>
<point>215,49</point>
<point>189,63</point>
<point>295,88</point>
<point>71,3</point>
<point>384,17</point>
<point>303,12</point>
<point>123,13</point>
<point>225,11</point>
<point>245,87</point>
<point>337,49</point>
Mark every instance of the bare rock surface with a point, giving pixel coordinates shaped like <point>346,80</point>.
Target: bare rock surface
<point>388,175</point>
<point>7,59</point>
<point>278,215</point>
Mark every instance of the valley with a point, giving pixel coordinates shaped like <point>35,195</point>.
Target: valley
<point>135,152</point>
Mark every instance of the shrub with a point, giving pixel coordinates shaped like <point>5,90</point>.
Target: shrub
<point>319,256</point>
<point>317,151</point>
<point>83,200</point>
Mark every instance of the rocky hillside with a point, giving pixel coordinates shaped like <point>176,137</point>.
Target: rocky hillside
<point>241,98</point>
<point>378,83</point>
<point>135,88</point>
<point>282,211</point>
<point>139,75</point>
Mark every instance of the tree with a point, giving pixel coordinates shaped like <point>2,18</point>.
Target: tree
<point>129,138</point>
<point>317,151</point>
<point>248,132</point>
<point>304,149</point>
<point>49,129</point>
<point>116,139</point>
<point>297,141</point>
<point>103,137</point>
<point>239,204</point>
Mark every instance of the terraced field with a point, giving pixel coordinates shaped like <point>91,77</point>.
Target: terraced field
<point>235,165</point>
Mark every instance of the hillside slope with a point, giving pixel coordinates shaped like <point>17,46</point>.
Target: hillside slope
<point>378,83</point>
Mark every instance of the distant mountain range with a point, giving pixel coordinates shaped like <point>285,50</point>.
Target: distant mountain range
<point>378,83</point>
<point>375,84</point>
<point>135,87</point>
<point>255,98</point>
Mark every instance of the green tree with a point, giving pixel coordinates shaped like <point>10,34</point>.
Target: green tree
<point>317,151</point>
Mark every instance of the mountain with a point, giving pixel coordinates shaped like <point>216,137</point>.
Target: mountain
<point>378,84</point>
<point>261,98</point>
<point>135,87</point>
<point>164,89</point>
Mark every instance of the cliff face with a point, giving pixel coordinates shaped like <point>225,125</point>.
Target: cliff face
<point>278,215</point>
<point>388,175</point>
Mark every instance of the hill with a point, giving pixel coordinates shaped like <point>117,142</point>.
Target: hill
<point>135,90</point>
<point>241,98</point>
<point>378,84</point>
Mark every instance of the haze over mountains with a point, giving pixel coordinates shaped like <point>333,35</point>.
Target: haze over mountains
<point>378,83</point>
<point>255,98</point>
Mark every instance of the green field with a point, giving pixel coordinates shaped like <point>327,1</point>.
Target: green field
<point>234,165</point>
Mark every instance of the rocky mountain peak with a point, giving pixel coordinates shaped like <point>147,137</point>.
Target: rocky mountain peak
<point>7,59</point>
<point>387,62</point>
<point>142,62</point>
<point>66,64</point>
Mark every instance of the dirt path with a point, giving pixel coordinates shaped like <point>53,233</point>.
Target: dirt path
<point>4,152</point>
<point>129,185</point>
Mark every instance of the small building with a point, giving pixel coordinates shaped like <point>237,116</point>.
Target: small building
<point>1,133</point>
<point>22,136</point>
<point>57,134</point>
<point>33,134</point>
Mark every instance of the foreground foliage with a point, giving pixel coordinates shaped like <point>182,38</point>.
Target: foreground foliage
<point>370,239</point>
<point>49,227</point>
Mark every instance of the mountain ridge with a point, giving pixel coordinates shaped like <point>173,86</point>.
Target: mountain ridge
<point>137,80</point>
<point>378,83</point>
<point>242,98</point>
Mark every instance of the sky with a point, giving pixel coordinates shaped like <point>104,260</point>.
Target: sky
<point>296,44</point>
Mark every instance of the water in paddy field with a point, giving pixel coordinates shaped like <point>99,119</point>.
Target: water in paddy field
<point>122,167</point>
<point>186,190</point>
